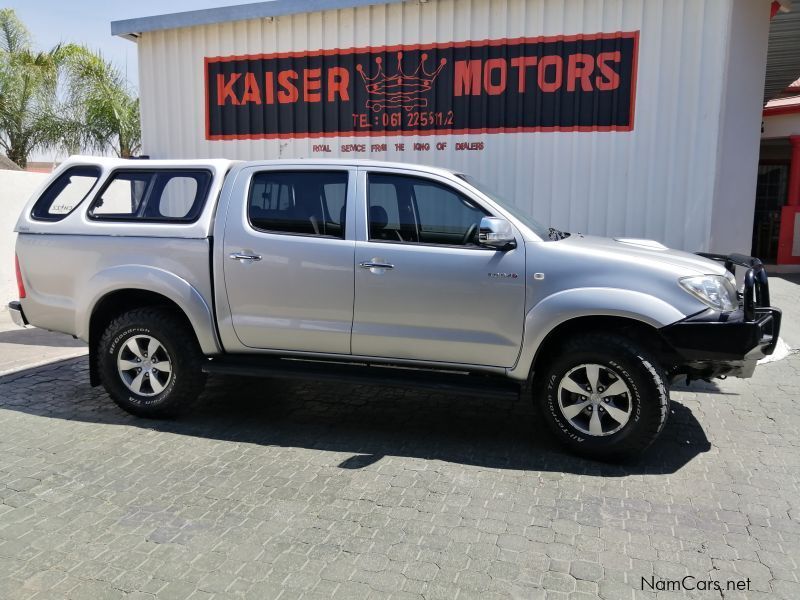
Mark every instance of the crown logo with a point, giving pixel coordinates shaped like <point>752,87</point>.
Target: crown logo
<point>399,90</point>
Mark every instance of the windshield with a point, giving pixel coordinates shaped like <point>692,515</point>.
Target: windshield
<point>546,233</point>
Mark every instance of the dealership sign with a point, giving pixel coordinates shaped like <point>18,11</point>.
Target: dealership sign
<point>565,83</point>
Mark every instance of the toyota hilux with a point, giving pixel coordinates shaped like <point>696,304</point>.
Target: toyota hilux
<point>386,273</point>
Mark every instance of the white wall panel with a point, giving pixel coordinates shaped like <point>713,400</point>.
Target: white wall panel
<point>657,181</point>
<point>743,98</point>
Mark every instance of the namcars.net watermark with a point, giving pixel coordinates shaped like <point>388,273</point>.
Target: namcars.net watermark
<point>691,583</point>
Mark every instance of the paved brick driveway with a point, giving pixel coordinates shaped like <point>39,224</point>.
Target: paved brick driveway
<point>280,489</point>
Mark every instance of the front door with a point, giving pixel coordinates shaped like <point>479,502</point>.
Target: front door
<point>288,265</point>
<point>424,289</point>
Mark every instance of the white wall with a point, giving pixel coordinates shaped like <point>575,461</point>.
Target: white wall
<point>658,181</point>
<point>739,144</point>
<point>16,188</point>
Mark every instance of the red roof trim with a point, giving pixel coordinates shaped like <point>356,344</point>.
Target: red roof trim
<point>774,111</point>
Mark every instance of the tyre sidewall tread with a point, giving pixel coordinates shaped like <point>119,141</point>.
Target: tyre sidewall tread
<point>187,379</point>
<point>645,380</point>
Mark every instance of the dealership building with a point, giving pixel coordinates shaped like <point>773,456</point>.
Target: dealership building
<point>634,118</point>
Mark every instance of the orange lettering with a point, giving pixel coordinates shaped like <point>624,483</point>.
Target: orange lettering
<point>498,64</point>
<point>311,85</point>
<point>467,77</point>
<point>251,91</point>
<point>610,78</point>
<point>551,61</point>
<point>521,63</point>
<point>580,66</point>
<point>269,87</point>
<point>289,92</point>
<point>338,81</point>
<point>225,90</point>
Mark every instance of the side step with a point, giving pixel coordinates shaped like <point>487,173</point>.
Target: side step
<point>389,376</point>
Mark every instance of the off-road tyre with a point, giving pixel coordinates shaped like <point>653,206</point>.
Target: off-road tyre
<point>649,395</point>
<point>177,338</point>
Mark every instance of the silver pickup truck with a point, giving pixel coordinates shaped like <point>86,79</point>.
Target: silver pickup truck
<point>377,272</point>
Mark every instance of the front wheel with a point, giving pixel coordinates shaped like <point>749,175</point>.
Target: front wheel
<point>150,362</point>
<point>604,397</point>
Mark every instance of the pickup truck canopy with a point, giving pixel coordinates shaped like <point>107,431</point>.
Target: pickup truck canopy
<point>91,195</point>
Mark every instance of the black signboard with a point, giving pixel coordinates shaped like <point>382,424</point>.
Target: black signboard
<point>566,83</point>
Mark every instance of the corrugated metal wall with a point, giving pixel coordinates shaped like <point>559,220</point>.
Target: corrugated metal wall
<point>656,181</point>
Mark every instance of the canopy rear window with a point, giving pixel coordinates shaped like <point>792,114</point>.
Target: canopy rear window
<point>144,195</point>
<point>65,193</point>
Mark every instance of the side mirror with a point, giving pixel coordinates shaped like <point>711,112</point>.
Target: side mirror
<point>496,233</point>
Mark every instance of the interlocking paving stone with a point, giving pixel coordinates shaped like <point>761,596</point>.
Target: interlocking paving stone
<point>273,489</point>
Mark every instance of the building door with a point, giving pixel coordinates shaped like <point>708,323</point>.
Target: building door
<point>771,194</point>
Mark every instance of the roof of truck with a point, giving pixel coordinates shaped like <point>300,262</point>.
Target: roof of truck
<point>351,162</point>
<point>224,164</point>
<point>113,161</point>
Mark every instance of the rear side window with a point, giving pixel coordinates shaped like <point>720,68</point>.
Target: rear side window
<point>122,195</point>
<point>299,202</point>
<point>65,193</point>
<point>152,196</point>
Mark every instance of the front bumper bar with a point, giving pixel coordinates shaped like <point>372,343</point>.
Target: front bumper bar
<point>732,343</point>
<point>755,293</point>
<point>706,338</point>
<point>17,315</point>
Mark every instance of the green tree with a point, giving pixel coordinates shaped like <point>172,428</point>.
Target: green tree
<point>105,110</point>
<point>29,109</point>
<point>67,98</point>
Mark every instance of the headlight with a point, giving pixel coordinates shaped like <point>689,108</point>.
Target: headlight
<point>714,290</point>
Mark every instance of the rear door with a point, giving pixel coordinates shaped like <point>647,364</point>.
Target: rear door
<point>288,262</point>
<point>425,290</point>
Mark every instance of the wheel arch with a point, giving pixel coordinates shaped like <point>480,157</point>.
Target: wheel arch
<point>119,290</point>
<point>643,333</point>
<point>582,310</point>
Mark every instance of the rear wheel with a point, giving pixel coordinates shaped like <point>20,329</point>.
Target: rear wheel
<point>150,362</point>
<point>603,397</point>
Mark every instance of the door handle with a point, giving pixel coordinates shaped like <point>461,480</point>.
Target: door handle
<point>376,265</point>
<point>244,257</point>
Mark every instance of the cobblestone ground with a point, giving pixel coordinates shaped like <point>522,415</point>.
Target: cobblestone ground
<point>295,490</point>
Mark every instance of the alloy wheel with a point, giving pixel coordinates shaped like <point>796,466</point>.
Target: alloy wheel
<point>144,365</point>
<point>595,399</point>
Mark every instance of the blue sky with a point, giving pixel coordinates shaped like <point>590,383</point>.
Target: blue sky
<point>89,22</point>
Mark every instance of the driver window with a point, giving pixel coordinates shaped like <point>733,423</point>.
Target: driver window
<point>416,210</point>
